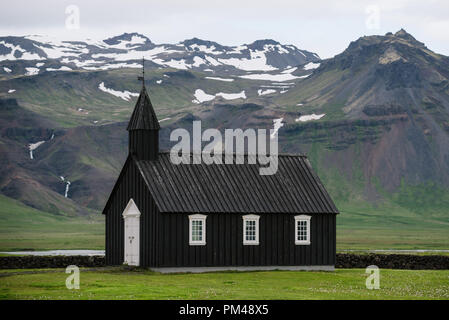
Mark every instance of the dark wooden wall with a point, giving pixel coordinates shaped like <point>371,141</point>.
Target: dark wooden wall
<point>224,242</point>
<point>132,186</point>
<point>144,144</point>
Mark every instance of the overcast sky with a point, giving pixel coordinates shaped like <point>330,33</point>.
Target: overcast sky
<point>324,27</point>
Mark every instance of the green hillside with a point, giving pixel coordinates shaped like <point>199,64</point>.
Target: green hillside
<point>25,228</point>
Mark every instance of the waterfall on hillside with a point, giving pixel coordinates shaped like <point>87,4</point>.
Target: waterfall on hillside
<point>67,186</point>
<point>34,146</point>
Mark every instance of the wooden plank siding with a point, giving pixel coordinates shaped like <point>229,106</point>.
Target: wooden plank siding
<point>131,185</point>
<point>224,242</point>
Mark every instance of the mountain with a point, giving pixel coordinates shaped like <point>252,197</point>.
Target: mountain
<point>383,131</point>
<point>32,55</point>
<point>91,82</point>
<point>374,120</point>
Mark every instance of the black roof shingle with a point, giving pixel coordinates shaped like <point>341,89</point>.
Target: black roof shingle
<point>235,188</point>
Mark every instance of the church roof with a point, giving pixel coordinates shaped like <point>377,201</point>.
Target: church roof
<point>235,188</point>
<point>143,117</point>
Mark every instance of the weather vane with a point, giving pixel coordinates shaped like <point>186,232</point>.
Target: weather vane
<point>143,72</point>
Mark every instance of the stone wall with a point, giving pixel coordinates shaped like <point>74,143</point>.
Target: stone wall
<point>383,261</point>
<point>392,261</point>
<point>30,262</point>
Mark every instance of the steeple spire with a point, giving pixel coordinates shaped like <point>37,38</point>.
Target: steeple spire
<point>143,117</point>
<point>143,127</point>
<point>143,72</point>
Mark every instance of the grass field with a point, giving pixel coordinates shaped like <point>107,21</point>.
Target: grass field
<point>121,284</point>
<point>22,227</point>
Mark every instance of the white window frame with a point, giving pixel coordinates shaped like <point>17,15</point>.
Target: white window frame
<point>202,218</point>
<point>246,218</point>
<point>307,220</point>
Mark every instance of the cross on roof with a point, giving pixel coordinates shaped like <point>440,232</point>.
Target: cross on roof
<point>143,72</point>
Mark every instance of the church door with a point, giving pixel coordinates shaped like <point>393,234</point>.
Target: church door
<point>131,216</point>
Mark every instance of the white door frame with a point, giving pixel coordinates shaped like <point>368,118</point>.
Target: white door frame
<point>131,216</point>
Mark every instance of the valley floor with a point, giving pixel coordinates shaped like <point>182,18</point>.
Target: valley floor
<point>25,228</point>
<point>118,283</point>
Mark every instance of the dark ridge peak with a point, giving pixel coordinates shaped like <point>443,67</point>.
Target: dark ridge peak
<point>207,43</point>
<point>405,35</point>
<point>389,38</point>
<point>402,33</point>
<point>260,44</point>
<point>263,42</point>
<point>125,36</point>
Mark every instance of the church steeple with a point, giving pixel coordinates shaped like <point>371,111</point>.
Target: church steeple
<point>143,117</point>
<point>143,128</point>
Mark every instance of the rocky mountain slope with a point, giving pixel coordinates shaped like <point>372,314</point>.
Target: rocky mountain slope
<point>384,119</point>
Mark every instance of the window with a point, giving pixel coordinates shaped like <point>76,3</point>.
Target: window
<point>197,230</point>
<point>302,230</point>
<point>250,229</point>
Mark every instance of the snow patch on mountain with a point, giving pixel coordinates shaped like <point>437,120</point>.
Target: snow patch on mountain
<point>311,66</point>
<point>17,53</point>
<point>275,47</point>
<point>290,70</point>
<point>125,95</point>
<point>136,41</point>
<point>177,64</point>
<point>271,77</point>
<point>197,61</point>
<point>201,96</point>
<point>55,52</point>
<point>212,61</point>
<point>232,96</point>
<point>136,54</point>
<point>261,92</point>
<point>115,66</point>
<point>257,62</point>
<point>32,71</point>
<point>204,48</point>
<point>220,79</point>
<point>310,117</point>
<point>63,68</point>
<point>238,49</point>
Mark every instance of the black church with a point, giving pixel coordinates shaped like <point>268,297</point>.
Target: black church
<point>199,217</point>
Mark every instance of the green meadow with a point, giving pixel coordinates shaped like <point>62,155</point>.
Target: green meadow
<point>358,228</point>
<point>25,228</point>
<point>119,283</point>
